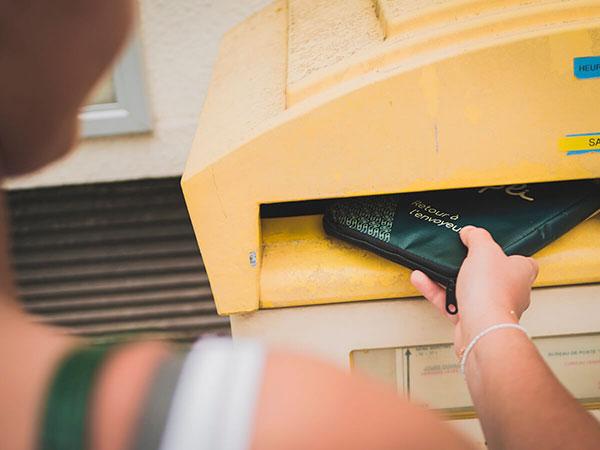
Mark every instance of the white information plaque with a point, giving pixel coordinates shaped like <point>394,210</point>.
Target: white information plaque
<point>430,374</point>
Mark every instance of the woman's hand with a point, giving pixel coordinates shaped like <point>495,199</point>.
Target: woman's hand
<point>518,400</point>
<point>491,287</point>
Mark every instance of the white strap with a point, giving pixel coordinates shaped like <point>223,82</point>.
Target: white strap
<point>474,341</point>
<point>215,399</point>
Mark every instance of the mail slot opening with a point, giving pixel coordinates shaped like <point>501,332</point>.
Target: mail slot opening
<point>302,264</point>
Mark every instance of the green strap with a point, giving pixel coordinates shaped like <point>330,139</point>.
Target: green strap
<point>64,424</point>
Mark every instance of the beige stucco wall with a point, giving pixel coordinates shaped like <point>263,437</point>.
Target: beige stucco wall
<point>180,40</point>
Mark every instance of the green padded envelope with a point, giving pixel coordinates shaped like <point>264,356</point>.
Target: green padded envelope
<point>420,230</point>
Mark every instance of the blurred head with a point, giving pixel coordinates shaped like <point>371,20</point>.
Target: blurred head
<point>52,53</point>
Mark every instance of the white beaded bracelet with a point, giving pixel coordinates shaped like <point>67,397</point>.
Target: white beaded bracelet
<point>474,341</point>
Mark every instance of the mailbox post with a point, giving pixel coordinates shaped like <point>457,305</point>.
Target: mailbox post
<point>323,99</point>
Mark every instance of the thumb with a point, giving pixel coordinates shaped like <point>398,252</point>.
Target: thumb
<point>478,240</point>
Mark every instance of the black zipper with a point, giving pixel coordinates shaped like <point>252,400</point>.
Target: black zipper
<point>451,303</point>
<point>436,273</point>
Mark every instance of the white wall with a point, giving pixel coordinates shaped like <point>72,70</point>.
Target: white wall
<point>180,41</point>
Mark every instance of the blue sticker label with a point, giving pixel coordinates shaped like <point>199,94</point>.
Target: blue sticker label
<point>587,67</point>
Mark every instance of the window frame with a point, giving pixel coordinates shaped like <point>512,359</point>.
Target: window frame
<point>130,113</point>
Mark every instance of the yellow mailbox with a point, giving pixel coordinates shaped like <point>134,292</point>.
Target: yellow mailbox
<point>323,99</point>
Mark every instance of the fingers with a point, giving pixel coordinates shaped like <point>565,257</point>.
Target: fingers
<point>478,240</point>
<point>526,265</point>
<point>432,292</point>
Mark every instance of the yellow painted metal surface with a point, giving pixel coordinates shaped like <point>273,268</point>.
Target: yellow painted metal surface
<point>485,107</point>
<point>434,28</point>
<point>319,35</point>
<point>302,265</point>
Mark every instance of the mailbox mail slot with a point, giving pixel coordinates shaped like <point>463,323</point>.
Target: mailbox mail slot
<point>302,265</point>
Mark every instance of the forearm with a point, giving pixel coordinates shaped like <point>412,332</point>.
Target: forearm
<point>520,403</point>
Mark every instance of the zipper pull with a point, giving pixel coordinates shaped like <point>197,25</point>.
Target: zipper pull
<point>451,304</point>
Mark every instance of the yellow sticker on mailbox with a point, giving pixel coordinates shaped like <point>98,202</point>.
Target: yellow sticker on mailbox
<point>580,144</point>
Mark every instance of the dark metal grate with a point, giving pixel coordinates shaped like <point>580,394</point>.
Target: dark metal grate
<point>112,259</point>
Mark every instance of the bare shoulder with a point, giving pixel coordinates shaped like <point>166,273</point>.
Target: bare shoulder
<point>309,403</point>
